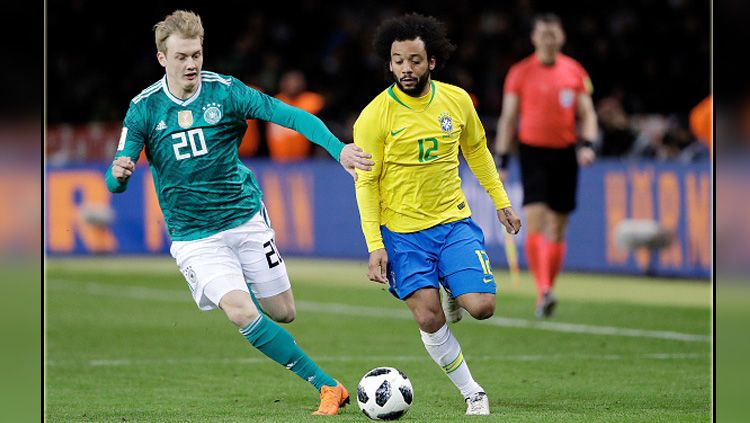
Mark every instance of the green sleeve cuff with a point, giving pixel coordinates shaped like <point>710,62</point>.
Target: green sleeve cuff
<point>113,185</point>
<point>336,149</point>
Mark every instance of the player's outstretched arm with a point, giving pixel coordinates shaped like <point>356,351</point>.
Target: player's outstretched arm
<point>350,156</point>
<point>256,105</point>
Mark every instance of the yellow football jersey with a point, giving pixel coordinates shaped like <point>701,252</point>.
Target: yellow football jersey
<point>414,184</point>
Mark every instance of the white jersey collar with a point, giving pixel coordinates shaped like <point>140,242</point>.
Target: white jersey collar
<point>179,101</point>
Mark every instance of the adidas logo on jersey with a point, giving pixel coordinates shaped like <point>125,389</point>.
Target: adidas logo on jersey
<point>161,126</point>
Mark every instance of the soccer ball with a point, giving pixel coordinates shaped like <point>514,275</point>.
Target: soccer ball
<point>384,393</point>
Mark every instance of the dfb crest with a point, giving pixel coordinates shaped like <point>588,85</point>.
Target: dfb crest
<point>212,113</point>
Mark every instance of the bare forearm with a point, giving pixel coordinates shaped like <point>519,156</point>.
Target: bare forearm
<point>589,127</point>
<point>587,117</point>
<point>505,131</point>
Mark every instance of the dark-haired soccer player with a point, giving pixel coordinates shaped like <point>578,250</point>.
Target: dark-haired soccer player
<point>545,92</point>
<point>191,122</point>
<point>415,218</point>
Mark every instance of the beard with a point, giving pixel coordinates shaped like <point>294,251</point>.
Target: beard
<point>416,90</point>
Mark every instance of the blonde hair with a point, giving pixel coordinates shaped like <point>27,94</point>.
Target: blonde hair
<point>186,24</point>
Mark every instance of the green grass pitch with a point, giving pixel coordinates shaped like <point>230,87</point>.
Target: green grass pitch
<point>124,341</point>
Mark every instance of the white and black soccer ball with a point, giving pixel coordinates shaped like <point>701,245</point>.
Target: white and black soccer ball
<point>384,393</point>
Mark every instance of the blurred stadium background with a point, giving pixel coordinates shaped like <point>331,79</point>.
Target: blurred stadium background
<point>650,64</point>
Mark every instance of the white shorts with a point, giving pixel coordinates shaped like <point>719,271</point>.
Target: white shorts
<point>232,260</point>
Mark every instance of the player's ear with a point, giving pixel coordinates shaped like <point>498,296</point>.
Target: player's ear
<point>432,63</point>
<point>161,58</point>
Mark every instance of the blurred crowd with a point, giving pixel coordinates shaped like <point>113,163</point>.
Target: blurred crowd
<point>655,136</point>
<point>649,62</point>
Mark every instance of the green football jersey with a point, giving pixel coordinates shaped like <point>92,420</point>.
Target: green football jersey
<point>191,145</point>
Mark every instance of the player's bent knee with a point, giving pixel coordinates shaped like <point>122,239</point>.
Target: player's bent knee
<point>482,308</point>
<point>280,308</point>
<point>482,313</point>
<point>241,315</point>
<point>287,315</point>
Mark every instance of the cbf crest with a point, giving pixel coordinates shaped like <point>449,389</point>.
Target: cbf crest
<point>212,113</point>
<point>446,123</point>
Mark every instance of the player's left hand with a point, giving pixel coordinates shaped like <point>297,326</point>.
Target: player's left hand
<point>586,156</point>
<point>509,219</point>
<point>352,157</point>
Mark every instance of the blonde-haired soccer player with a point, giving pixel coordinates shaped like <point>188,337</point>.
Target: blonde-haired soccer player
<point>190,124</point>
<point>415,218</point>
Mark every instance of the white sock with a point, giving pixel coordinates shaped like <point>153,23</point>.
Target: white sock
<point>445,350</point>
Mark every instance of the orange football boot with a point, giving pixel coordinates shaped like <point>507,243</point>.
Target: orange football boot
<point>331,399</point>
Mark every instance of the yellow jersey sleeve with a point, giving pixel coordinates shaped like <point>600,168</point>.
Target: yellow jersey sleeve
<point>369,135</point>
<point>474,148</point>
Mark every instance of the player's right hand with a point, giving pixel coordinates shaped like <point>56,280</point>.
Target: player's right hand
<point>376,268</point>
<point>122,168</point>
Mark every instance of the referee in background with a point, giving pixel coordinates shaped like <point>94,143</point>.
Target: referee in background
<point>543,95</point>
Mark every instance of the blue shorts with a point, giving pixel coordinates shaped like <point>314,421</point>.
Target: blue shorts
<point>451,254</point>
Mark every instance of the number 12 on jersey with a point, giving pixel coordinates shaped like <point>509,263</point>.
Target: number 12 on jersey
<point>484,261</point>
<point>425,154</point>
<point>197,147</point>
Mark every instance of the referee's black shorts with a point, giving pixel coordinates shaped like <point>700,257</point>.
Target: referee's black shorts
<point>549,176</point>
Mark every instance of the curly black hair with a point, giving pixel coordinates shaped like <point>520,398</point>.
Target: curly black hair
<point>409,27</point>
